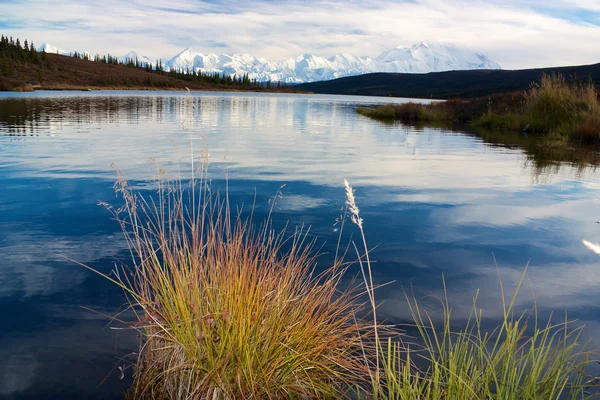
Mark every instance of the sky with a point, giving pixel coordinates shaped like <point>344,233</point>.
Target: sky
<point>516,34</point>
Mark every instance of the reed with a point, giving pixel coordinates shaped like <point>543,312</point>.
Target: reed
<point>521,358</point>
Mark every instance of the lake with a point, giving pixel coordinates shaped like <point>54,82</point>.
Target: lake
<point>436,203</point>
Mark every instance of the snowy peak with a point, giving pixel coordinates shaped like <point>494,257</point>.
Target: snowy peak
<point>48,48</point>
<point>422,57</point>
<point>133,55</point>
<point>433,57</point>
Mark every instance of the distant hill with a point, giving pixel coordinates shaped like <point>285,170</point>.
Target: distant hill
<point>445,85</point>
<point>63,72</point>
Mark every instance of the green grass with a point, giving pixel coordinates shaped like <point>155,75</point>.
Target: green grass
<point>387,111</point>
<point>412,112</point>
<point>521,358</point>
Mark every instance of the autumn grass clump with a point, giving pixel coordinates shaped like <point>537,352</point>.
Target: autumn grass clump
<point>228,310</point>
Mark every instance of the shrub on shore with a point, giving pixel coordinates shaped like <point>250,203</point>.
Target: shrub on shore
<point>14,85</point>
<point>411,112</point>
<point>554,107</point>
<point>551,106</point>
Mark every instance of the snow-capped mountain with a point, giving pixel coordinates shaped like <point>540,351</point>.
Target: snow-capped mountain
<point>48,48</point>
<point>236,63</point>
<point>132,55</point>
<point>433,57</point>
<point>418,58</point>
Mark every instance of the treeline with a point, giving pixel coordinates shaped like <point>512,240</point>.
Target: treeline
<point>13,53</point>
<point>187,74</point>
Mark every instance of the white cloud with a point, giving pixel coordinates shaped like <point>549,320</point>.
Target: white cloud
<point>515,34</point>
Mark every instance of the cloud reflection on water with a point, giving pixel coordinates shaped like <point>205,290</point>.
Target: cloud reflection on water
<point>434,202</point>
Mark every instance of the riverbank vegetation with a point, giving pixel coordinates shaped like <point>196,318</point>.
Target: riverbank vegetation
<point>227,309</point>
<point>22,68</point>
<point>562,113</point>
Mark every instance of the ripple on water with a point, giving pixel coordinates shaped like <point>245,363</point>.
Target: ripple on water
<point>435,201</point>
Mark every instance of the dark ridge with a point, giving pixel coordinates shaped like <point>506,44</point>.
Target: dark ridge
<point>446,85</point>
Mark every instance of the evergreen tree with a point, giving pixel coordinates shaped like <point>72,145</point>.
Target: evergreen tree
<point>33,55</point>
<point>4,67</point>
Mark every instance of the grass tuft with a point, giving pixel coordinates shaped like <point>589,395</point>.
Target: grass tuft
<point>520,359</point>
<point>228,310</point>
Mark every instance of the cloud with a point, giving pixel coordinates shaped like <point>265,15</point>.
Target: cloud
<point>76,359</point>
<point>514,33</point>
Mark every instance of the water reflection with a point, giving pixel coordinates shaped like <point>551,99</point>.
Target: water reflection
<point>435,201</point>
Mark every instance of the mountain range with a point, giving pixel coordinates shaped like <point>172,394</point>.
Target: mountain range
<point>423,57</point>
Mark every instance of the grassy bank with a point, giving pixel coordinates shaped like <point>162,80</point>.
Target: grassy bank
<point>565,113</point>
<point>562,113</point>
<point>230,310</point>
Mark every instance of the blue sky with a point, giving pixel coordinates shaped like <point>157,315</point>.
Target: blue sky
<point>516,34</point>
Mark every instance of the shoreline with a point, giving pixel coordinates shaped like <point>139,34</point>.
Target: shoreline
<point>82,88</point>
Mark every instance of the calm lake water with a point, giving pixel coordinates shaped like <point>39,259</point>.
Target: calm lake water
<point>435,202</point>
